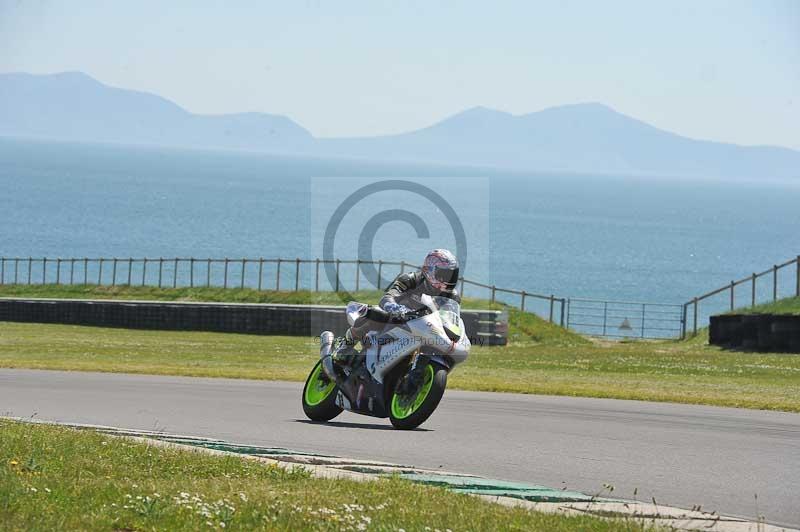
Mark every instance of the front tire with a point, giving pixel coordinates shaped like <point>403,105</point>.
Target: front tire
<point>319,396</point>
<point>408,412</point>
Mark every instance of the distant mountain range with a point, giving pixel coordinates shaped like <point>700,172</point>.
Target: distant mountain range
<point>583,138</point>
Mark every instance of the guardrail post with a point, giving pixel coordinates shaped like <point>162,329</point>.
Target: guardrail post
<point>175,274</point>
<point>402,266</point>
<point>797,288</point>
<point>144,270</point>
<point>694,329</point>
<point>225,278</point>
<point>683,320</point>
<point>753,292</point>
<point>278,276</point>
<point>191,272</point>
<point>130,267</point>
<point>260,272</point>
<point>775,282</point>
<point>71,270</point>
<point>338,263</point>
<point>85,270</point>
<point>114,273</point>
<point>160,269</point>
<point>380,274</point>
<point>16,268</point>
<point>316,275</point>
<point>30,267</point>
<point>208,272</point>
<point>562,311</point>
<point>643,314</point>
<point>3,270</point>
<point>605,316</point>
<point>733,285</point>
<point>100,273</point>
<point>358,273</point>
<point>297,274</point>
<point>58,271</point>
<point>522,301</point>
<point>244,261</point>
<point>494,290</point>
<point>44,270</point>
<point>552,299</point>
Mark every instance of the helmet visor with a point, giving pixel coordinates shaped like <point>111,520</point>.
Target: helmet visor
<point>446,277</point>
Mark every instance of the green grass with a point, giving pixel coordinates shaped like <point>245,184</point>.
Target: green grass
<point>56,478</point>
<point>541,358</point>
<point>789,305</point>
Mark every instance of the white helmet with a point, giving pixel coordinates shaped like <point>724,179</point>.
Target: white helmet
<point>441,270</point>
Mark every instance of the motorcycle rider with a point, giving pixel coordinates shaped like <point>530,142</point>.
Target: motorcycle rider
<point>437,277</point>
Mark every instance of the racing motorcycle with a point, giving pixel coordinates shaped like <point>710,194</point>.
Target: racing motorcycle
<point>402,371</point>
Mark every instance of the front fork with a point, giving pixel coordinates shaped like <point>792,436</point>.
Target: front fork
<point>325,350</point>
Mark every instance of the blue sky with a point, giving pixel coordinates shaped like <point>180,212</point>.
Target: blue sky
<point>721,70</point>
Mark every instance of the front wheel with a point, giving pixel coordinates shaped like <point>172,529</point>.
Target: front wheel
<point>319,396</point>
<point>410,410</point>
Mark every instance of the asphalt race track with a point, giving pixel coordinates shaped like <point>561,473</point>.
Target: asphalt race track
<point>682,455</point>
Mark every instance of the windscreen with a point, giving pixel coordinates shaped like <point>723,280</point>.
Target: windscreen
<point>449,309</point>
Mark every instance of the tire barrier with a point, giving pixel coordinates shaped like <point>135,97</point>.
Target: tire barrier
<point>756,332</point>
<point>484,327</point>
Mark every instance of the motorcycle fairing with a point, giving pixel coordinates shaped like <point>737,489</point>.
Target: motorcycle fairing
<point>362,394</point>
<point>354,311</point>
<point>387,350</point>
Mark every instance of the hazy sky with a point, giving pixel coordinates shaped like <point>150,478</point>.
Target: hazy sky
<point>721,70</point>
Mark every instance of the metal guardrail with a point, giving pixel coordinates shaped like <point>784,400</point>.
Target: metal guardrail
<point>287,274</point>
<point>774,291</point>
<point>594,317</point>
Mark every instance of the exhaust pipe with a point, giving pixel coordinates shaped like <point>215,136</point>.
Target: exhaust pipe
<point>325,350</point>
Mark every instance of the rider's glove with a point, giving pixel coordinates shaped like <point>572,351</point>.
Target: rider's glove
<point>396,310</point>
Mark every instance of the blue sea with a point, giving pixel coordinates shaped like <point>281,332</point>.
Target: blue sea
<point>605,237</point>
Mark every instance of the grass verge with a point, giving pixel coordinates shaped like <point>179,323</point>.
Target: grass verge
<point>541,358</point>
<point>55,478</point>
<point>687,372</point>
<point>789,305</point>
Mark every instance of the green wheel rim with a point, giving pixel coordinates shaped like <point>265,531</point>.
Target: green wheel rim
<point>404,406</point>
<point>317,389</point>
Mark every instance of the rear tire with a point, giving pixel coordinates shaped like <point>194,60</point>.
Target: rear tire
<point>319,396</point>
<point>408,413</point>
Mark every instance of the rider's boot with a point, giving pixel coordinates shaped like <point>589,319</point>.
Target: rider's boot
<point>344,351</point>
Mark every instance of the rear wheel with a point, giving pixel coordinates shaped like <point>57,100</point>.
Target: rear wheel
<point>319,396</point>
<point>410,409</point>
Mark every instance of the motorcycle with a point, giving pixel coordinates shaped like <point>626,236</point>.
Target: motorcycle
<point>402,371</point>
